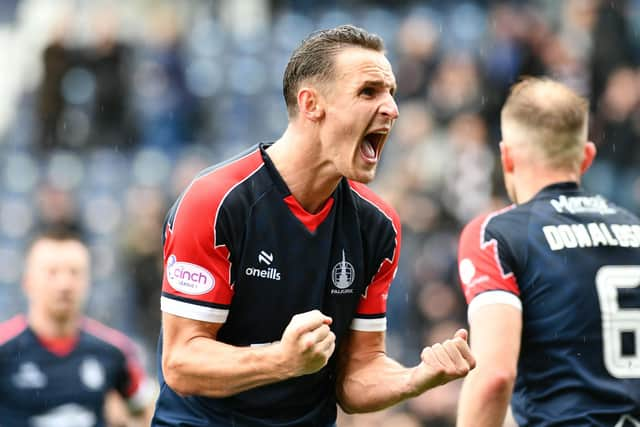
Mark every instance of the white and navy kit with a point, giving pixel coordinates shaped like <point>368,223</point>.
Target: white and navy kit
<point>570,261</point>
<point>240,250</point>
<point>63,382</point>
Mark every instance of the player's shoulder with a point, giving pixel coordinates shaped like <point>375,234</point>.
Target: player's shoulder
<point>208,191</point>
<point>107,337</point>
<point>493,221</point>
<point>12,328</point>
<point>370,202</point>
<point>216,181</point>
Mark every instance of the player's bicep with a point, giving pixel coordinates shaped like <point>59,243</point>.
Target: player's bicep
<point>178,331</point>
<point>495,334</point>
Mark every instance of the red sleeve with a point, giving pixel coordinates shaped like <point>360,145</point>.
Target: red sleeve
<point>197,268</point>
<point>372,308</point>
<point>480,265</point>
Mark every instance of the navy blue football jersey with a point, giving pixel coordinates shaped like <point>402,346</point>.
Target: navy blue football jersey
<point>240,250</point>
<point>570,261</point>
<point>53,383</point>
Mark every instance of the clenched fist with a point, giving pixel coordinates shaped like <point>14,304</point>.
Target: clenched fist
<point>443,362</point>
<point>307,343</point>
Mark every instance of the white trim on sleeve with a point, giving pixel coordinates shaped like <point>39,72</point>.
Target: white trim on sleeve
<point>369,325</point>
<point>493,297</point>
<point>193,311</point>
<point>142,396</point>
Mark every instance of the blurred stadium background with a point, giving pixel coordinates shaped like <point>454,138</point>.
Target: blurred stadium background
<point>108,108</point>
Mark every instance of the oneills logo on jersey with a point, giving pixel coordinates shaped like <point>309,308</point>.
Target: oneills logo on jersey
<point>627,421</point>
<point>343,275</point>
<point>270,273</point>
<point>188,278</point>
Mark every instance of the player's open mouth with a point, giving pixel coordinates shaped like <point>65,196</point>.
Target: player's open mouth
<point>372,144</point>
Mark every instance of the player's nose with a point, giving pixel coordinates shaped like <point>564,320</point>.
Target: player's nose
<point>389,108</point>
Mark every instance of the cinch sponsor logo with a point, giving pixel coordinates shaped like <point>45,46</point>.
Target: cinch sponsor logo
<point>188,278</point>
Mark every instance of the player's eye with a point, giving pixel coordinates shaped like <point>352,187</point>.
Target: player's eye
<point>368,91</point>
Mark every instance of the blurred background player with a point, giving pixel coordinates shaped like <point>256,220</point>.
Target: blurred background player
<point>553,281</point>
<point>278,262</point>
<point>56,366</point>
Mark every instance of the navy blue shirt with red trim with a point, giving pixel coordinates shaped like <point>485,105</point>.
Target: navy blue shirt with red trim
<point>64,382</point>
<point>570,260</point>
<point>240,250</point>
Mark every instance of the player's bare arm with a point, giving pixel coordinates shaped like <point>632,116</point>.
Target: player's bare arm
<point>194,362</point>
<point>369,380</point>
<point>495,340</point>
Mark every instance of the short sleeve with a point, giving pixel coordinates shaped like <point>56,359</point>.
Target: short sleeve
<point>486,275</point>
<point>372,308</point>
<point>196,280</point>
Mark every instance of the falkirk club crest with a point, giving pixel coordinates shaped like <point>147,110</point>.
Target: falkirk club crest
<point>343,276</point>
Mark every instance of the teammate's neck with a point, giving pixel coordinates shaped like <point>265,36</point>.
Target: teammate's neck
<point>529,183</point>
<point>51,327</point>
<point>309,177</point>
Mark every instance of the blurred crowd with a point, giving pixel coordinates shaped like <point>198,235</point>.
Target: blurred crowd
<point>109,108</point>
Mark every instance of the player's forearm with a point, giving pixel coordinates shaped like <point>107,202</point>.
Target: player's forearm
<point>484,399</point>
<point>373,385</point>
<point>210,368</point>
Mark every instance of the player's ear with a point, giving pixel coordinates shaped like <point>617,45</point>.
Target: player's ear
<point>589,155</point>
<point>309,104</point>
<point>506,157</point>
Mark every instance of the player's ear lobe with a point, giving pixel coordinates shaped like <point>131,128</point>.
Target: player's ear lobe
<point>589,155</point>
<point>309,105</point>
<point>506,157</point>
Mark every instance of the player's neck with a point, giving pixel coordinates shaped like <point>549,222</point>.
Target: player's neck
<point>529,183</point>
<point>51,327</point>
<point>310,179</point>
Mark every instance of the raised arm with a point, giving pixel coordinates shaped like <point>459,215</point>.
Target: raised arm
<point>195,363</point>
<point>495,341</point>
<point>369,380</point>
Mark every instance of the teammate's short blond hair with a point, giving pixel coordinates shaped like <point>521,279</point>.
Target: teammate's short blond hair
<point>551,118</point>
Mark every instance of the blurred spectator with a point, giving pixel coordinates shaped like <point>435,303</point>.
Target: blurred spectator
<point>616,131</point>
<point>57,59</point>
<point>110,63</point>
<point>142,254</point>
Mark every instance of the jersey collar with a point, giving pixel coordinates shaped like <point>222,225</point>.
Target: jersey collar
<point>558,187</point>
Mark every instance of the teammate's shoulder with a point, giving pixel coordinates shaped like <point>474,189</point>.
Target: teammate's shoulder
<point>480,223</point>
<point>373,201</point>
<point>107,335</point>
<point>10,329</point>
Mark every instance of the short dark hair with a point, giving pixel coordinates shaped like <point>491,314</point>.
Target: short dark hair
<point>58,234</point>
<point>314,58</point>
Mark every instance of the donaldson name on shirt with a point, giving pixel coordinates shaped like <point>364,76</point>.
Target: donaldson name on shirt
<point>590,235</point>
<point>593,234</point>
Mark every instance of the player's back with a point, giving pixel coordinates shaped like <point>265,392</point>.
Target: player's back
<point>575,260</point>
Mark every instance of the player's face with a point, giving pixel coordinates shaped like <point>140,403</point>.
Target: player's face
<point>360,111</point>
<point>57,278</point>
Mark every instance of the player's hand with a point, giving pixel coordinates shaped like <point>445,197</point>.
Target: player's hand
<point>443,362</point>
<point>307,343</point>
